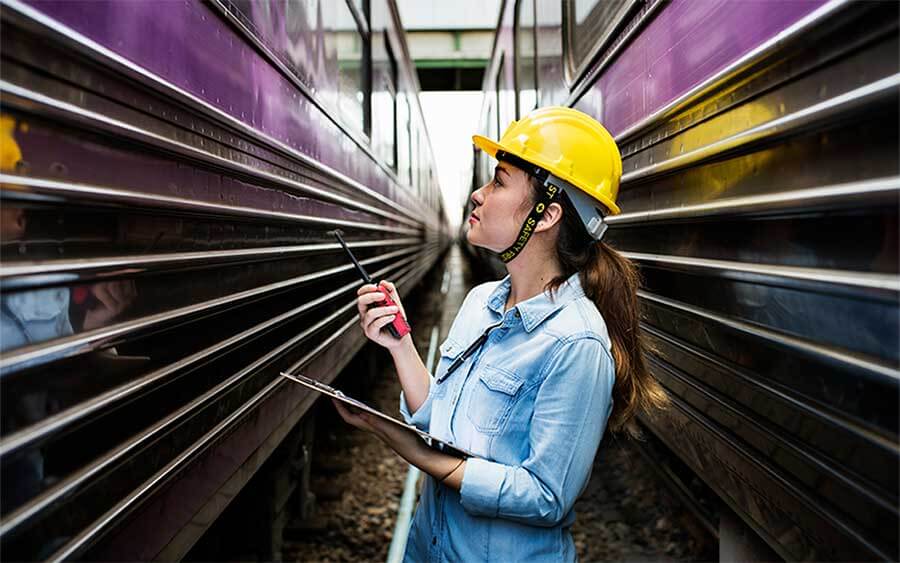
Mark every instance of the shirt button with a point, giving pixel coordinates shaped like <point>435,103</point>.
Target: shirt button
<point>434,540</point>
<point>517,314</point>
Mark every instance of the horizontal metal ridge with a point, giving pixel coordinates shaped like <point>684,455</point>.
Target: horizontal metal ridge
<point>124,505</point>
<point>69,485</point>
<point>874,369</point>
<point>790,124</point>
<point>110,59</point>
<point>34,102</point>
<point>866,192</point>
<point>68,271</point>
<point>126,392</point>
<point>823,464</point>
<point>780,479</point>
<point>58,189</point>
<point>861,433</point>
<point>85,342</point>
<point>772,46</point>
<point>864,280</point>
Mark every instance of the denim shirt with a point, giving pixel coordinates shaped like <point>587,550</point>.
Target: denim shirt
<point>532,404</point>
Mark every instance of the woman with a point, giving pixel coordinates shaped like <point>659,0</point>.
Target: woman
<point>561,358</point>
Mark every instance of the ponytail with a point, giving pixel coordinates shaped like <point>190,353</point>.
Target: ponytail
<point>611,281</point>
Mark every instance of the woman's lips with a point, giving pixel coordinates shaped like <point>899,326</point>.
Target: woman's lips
<point>473,218</point>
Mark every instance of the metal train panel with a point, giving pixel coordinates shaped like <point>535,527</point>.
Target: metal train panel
<point>760,200</point>
<point>169,180</point>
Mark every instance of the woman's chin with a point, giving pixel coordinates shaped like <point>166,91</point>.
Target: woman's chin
<point>474,240</point>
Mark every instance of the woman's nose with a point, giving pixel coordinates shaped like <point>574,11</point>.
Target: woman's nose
<point>478,196</point>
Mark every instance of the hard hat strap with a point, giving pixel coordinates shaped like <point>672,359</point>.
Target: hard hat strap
<point>591,217</point>
<point>549,193</point>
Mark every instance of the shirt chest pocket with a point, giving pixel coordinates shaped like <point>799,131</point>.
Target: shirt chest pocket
<point>496,391</point>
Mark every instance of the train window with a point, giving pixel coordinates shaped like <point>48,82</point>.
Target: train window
<point>498,92</point>
<point>360,6</point>
<point>526,58</point>
<point>414,157</point>
<point>384,99</point>
<point>348,38</point>
<point>404,141</point>
<point>420,163</point>
<point>589,26</point>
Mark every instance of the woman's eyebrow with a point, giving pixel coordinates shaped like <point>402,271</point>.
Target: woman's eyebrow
<point>498,170</point>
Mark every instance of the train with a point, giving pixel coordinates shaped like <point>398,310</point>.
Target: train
<point>759,200</point>
<point>170,176</point>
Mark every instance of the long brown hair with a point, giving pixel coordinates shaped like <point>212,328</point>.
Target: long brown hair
<point>611,281</point>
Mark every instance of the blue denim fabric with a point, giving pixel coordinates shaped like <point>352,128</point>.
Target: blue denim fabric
<point>533,402</point>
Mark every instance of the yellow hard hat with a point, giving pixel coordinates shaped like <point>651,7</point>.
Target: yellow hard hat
<point>568,144</point>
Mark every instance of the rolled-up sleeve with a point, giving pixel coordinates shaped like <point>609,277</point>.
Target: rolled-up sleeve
<point>421,419</point>
<point>571,409</point>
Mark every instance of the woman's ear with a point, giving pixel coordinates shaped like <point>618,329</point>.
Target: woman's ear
<point>552,216</point>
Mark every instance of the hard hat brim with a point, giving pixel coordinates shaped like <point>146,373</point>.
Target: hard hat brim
<point>491,147</point>
<point>487,145</point>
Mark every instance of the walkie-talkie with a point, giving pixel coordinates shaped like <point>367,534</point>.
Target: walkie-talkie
<point>398,327</point>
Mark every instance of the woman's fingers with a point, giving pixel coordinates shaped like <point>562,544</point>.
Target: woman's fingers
<point>358,419</point>
<point>367,288</point>
<point>367,299</point>
<point>370,298</point>
<point>374,328</point>
<point>348,417</point>
<point>372,317</point>
<point>376,313</point>
<point>392,290</point>
<point>104,296</point>
<point>364,306</point>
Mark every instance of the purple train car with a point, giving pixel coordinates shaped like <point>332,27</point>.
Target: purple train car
<point>760,201</point>
<point>170,172</point>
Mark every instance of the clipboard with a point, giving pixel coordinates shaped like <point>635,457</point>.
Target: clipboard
<point>330,391</point>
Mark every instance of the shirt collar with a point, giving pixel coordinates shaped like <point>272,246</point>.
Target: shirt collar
<point>539,307</point>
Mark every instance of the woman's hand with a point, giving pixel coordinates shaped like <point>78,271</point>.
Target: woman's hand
<point>407,444</point>
<point>378,317</point>
<point>401,440</point>
<point>112,298</point>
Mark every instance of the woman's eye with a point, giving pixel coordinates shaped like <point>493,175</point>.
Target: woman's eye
<point>497,182</point>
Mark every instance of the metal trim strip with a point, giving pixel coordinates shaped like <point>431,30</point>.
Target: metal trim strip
<point>92,340</point>
<point>110,59</point>
<point>46,106</point>
<point>871,368</point>
<point>808,117</point>
<point>69,485</point>
<point>83,539</point>
<point>66,271</point>
<point>889,284</point>
<point>869,192</point>
<point>104,195</point>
